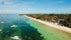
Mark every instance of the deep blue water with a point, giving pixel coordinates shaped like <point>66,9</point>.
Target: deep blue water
<point>23,29</point>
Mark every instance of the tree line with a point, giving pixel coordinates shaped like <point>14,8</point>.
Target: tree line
<point>61,19</point>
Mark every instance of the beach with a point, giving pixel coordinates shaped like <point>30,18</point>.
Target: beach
<point>54,25</point>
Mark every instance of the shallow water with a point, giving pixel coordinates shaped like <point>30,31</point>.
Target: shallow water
<point>16,25</point>
<point>50,33</point>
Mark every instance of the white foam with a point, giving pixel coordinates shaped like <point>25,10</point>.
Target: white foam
<point>16,38</point>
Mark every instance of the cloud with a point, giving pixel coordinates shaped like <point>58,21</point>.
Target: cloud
<point>15,2</point>
<point>32,6</point>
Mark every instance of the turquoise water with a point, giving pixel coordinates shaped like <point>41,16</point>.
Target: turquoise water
<point>12,25</point>
<point>16,25</point>
<point>50,33</point>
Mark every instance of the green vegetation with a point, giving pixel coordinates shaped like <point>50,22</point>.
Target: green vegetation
<point>50,33</point>
<point>61,19</point>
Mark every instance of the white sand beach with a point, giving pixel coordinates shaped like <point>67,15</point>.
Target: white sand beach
<point>54,25</point>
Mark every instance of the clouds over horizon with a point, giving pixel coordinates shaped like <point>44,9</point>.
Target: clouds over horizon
<point>34,6</point>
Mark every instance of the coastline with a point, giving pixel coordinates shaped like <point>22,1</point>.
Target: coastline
<point>54,25</point>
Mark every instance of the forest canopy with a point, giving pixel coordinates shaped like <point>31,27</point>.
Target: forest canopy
<point>61,19</point>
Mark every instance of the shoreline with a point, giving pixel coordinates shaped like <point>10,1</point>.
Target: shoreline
<point>66,29</point>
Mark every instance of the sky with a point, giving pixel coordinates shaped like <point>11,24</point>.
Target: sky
<point>35,6</point>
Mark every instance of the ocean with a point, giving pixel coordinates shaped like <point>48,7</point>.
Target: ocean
<point>15,25</point>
